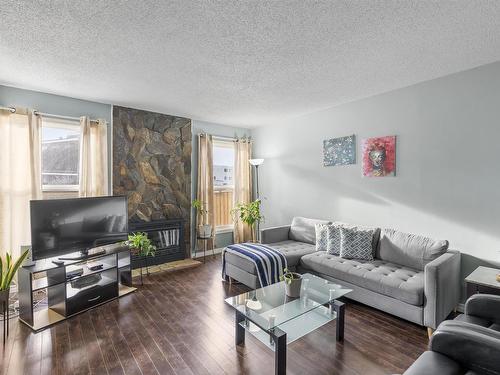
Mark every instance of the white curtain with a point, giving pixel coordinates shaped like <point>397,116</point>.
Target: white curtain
<point>93,158</point>
<point>205,191</point>
<point>35,129</point>
<point>19,177</point>
<point>243,187</point>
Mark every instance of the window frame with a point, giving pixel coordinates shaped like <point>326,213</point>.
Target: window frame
<point>57,123</point>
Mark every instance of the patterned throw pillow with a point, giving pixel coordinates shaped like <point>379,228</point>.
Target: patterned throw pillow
<point>321,236</point>
<point>356,243</point>
<point>333,239</point>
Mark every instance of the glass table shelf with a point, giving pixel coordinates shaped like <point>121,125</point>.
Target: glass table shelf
<point>295,329</point>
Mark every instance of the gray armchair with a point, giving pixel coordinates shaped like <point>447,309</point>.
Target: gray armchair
<point>460,348</point>
<point>482,310</point>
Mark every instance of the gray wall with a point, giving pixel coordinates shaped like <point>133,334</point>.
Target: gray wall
<point>447,182</point>
<point>222,239</point>
<point>59,105</point>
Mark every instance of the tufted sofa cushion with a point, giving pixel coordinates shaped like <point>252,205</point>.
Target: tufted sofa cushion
<point>292,250</point>
<point>303,229</point>
<point>399,282</point>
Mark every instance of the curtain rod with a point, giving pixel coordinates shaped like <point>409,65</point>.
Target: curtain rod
<point>38,113</point>
<point>59,116</point>
<point>222,138</point>
<point>10,109</point>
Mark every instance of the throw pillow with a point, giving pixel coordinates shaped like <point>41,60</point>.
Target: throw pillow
<point>356,243</point>
<point>376,233</point>
<point>334,239</point>
<point>321,237</point>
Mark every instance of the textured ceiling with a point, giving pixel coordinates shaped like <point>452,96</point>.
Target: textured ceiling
<point>240,62</point>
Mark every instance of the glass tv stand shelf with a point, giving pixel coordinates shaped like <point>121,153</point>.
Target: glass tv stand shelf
<point>49,293</point>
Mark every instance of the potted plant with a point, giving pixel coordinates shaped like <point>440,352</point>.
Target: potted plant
<point>8,268</point>
<point>249,214</point>
<point>140,245</point>
<point>293,282</point>
<point>204,229</point>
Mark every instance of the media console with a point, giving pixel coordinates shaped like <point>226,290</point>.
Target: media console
<point>49,292</point>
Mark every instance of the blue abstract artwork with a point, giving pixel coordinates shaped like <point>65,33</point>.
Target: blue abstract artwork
<point>339,151</point>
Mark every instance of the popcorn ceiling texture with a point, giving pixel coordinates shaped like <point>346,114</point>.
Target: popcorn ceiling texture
<point>241,63</point>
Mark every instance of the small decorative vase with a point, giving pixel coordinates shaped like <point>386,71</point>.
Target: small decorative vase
<point>293,288</point>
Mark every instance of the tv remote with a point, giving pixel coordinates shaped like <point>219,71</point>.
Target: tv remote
<point>95,267</point>
<point>77,272</point>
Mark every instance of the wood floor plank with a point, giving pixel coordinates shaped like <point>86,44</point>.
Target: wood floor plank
<point>78,351</point>
<point>113,365</point>
<point>177,323</point>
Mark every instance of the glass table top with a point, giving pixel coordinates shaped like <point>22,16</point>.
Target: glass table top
<point>270,307</point>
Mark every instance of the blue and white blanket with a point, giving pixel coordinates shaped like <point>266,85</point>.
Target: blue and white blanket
<point>269,262</point>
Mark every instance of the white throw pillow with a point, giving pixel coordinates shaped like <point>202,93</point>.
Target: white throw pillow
<point>321,237</point>
<point>356,243</point>
<point>334,240</point>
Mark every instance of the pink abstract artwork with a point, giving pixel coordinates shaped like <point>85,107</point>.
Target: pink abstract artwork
<point>379,156</point>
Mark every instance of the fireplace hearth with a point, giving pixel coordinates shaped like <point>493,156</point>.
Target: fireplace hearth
<point>166,235</point>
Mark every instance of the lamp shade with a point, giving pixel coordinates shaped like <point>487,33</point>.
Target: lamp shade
<point>256,161</point>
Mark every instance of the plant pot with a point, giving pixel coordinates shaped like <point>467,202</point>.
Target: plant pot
<point>205,230</point>
<point>293,286</point>
<point>4,295</point>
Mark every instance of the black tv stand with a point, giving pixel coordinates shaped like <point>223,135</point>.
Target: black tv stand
<point>85,254</point>
<point>61,297</point>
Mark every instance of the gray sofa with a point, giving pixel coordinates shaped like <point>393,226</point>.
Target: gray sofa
<point>418,284</point>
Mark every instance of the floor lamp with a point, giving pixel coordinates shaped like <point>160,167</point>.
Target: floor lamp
<point>256,163</point>
<point>254,303</point>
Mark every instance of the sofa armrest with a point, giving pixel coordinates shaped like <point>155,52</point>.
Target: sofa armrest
<point>486,306</point>
<point>441,288</point>
<point>474,347</point>
<point>274,234</point>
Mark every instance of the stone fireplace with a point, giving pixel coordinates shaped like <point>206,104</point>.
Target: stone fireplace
<point>152,165</point>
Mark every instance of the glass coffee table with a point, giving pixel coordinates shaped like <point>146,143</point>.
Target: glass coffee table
<point>277,320</point>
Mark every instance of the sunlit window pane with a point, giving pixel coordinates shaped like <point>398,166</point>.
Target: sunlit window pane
<point>223,169</point>
<point>60,154</point>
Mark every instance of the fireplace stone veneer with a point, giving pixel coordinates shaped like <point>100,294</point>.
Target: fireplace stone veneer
<point>152,166</point>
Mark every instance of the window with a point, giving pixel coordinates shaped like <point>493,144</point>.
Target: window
<point>60,155</point>
<point>223,167</point>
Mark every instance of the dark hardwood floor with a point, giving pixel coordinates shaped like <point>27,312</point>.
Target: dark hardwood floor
<point>178,323</point>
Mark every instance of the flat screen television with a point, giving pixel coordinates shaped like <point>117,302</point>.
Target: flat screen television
<point>63,226</point>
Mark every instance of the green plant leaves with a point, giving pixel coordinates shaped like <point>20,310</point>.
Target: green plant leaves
<point>8,269</point>
<point>248,213</point>
<point>140,244</point>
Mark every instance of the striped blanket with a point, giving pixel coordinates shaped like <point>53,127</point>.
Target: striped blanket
<point>269,262</point>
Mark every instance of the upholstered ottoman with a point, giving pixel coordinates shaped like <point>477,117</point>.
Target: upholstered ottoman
<point>243,270</point>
